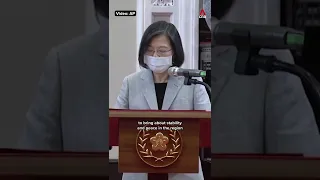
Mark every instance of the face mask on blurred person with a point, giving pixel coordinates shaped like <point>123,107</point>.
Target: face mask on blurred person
<point>158,64</point>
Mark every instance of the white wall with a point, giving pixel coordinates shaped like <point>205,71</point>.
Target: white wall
<point>122,50</point>
<point>122,46</point>
<point>122,42</point>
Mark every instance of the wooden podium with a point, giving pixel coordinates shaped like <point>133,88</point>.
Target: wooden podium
<point>227,166</point>
<point>31,165</point>
<point>158,142</point>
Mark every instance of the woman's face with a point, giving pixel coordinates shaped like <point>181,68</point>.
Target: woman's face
<point>158,56</point>
<point>159,47</point>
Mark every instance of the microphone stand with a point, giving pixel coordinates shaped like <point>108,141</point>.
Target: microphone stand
<point>249,62</point>
<point>188,81</point>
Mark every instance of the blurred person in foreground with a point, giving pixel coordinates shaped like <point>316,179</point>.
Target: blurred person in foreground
<point>69,112</point>
<point>267,113</point>
<point>152,87</point>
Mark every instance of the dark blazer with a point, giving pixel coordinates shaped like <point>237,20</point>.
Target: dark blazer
<point>70,110</point>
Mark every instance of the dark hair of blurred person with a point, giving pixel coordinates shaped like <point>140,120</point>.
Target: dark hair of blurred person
<point>219,8</point>
<point>102,7</point>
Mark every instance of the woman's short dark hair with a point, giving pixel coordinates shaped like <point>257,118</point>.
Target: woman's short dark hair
<point>162,28</point>
<point>219,8</point>
<point>102,7</point>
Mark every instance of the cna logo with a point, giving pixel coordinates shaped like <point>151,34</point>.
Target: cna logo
<point>202,14</point>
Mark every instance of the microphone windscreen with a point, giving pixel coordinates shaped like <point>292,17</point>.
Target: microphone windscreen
<point>172,71</point>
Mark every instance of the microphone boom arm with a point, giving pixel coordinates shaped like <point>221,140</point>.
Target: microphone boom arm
<point>188,81</point>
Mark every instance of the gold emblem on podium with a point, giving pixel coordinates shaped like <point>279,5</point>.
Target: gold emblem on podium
<point>159,148</point>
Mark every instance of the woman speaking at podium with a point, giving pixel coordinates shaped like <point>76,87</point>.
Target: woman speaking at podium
<point>152,88</point>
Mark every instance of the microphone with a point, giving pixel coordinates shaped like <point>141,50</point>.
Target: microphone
<point>260,36</point>
<point>175,71</point>
<point>188,74</point>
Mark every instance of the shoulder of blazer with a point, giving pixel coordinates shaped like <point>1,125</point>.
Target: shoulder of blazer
<point>85,43</point>
<point>136,75</point>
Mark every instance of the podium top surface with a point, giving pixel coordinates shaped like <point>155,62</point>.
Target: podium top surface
<point>159,114</point>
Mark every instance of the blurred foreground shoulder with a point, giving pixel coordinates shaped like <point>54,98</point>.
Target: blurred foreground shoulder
<point>290,123</point>
<point>43,126</point>
<point>89,43</point>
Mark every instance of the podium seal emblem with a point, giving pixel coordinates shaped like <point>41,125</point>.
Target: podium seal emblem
<point>159,148</point>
